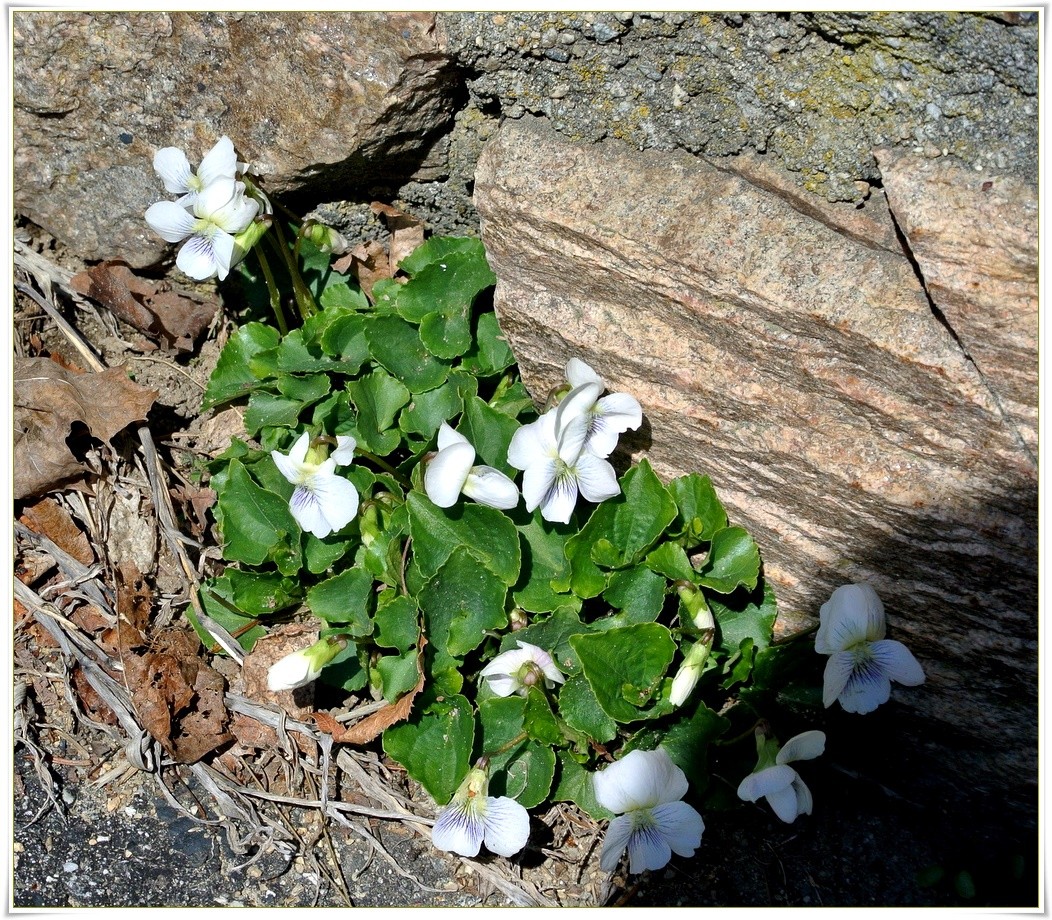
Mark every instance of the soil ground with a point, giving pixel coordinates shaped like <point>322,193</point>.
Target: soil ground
<point>88,832</point>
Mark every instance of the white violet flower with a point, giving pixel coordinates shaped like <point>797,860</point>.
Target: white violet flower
<point>171,164</point>
<point>473,817</point>
<point>862,663</point>
<point>644,789</point>
<point>323,502</point>
<point>452,471</point>
<point>609,415</point>
<point>773,779</point>
<point>303,666</point>
<point>689,672</point>
<point>550,451</point>
<point>220,212</point>
<point>518,669</point>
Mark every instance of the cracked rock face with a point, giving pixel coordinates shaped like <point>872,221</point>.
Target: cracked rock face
<point>310,99</point>
<point>787,350</point>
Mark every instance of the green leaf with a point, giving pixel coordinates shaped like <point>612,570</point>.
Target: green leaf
<point>624,528</point>
<point>638,593</point>
<point>346,670</point>
<point>699,512</point>
<point>427,411</point>
<point>271,410</point>
<point>624,666</point>
<point>733,561</point>
<point>490,432</point>
<point>341,296</point>
<point>490,354</point>
<point>398,674</point>
<point>486,532</point>
<point>582,712</point>
<point>345,338</point>
<point>553,635</point>
<point>396,346</point>
<point>525,770</point>
<point>543,560</point>
<point>217,597</point>
<point>320,554</point>
<point>461,602</point>
<point>751,617</point>
<point>261,593</point>
<point>670,559</point>
<point>378,397</point>
<point>539,720</point>
<point>687,742</point>
<point>345,599</point>
<point>232,376</point>
<point>575,785</point>
<point>257,524</point>
<point>435,745</point>
<point>439,295</point>
<point>397,621</point>
<point>306,390</point>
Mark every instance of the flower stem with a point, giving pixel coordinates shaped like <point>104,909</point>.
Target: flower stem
<point>272,288</point>
<point>304,298</point>
<point>384,465</point>
<point>521,736</point>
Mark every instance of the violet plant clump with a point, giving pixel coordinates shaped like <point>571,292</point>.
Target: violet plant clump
<point>585,632</point>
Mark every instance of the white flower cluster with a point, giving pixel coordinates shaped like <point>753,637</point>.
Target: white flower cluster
<point>562,454</point>
<point>212,211</point>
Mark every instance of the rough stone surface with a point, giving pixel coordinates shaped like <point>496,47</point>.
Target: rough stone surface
<point>312,100</point>
<point>974,237</point>
<point>805,371</point>
<point>816,90</point>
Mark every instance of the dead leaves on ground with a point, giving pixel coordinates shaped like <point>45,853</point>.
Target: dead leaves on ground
<point>177,317</point>
<point>49,402</point>
<point>371,262</point>
<point>177,696</point>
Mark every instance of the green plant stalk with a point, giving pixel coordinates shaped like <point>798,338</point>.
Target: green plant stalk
<point>272,289</point>
<point>300,291</point>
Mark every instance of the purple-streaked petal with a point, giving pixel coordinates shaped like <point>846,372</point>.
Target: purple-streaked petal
<point>560,500</point>
<point>853,614</point>
<point>223,253</point>
<point>507,826</point>
<point>306,509</point>
<point>897,662</point>
<point>447,472</point>
<point>578,402</point>
<point>772,780</point>
<point>647,850</point>
<point>867,689</point>
<point>458,830</point>
<point>681,826</point>
<point>219,163</point>
<point>169,221</point>
<point>171,164</point>
<point>197,259</point>
<point>613,415</point>
<point>491,487</point>
<point>805,746</point>
<point>596,478</point>
<point>537,482</point>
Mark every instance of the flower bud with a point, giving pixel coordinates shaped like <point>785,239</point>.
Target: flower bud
<point>518,619</point>
<point>325,238</point>
<point>689,673</point>
<point>303,666</point>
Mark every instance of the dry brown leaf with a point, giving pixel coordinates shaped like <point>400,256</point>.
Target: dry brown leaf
<point>406,232</point>
<point>371,727</point>
<point>49,518</point>
<point>368,263</point>
<point>177,317</point>
<point>176,695</point>
<point>49,400</point>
